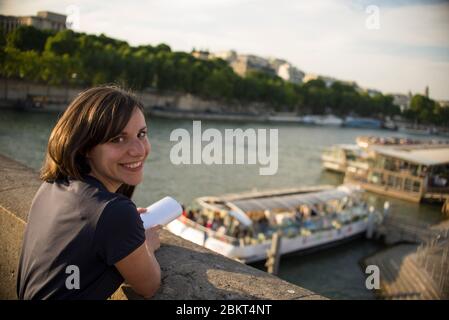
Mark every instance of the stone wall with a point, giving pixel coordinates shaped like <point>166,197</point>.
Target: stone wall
<point>58,98</point>
<point>189,271</point>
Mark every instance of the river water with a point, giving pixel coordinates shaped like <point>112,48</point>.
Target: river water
<point>334,273</point>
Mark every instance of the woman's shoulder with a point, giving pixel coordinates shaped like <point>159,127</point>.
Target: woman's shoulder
<point>115,209</point>
<point>89,198</point>
<point>119,204</point>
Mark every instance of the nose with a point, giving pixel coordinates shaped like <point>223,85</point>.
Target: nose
<point>137,148</point>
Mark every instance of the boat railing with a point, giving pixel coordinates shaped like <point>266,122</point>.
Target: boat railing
<point>403,181</point>
<point>209,232</point>
<point>360,164</point>
<point>400,180</point>
<point>284,228</point>
<point>437,189</point>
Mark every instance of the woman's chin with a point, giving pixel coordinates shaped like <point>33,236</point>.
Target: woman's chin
<point>132,181</point>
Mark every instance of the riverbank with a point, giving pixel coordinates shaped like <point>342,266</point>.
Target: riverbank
<point>38,97</point>
<point>27,95</point>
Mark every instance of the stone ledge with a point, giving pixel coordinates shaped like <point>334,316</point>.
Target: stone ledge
<point>189,271</point>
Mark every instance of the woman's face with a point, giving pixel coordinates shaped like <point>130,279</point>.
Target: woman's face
<point>121,159</point>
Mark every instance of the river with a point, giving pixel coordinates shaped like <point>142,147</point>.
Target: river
<point>334,273</point>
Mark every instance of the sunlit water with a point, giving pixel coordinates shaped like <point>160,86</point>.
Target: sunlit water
<point>334,272</point>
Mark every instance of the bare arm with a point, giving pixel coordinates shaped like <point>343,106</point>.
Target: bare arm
<point>140,268</point>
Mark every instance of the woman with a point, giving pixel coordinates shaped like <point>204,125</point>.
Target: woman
<point>84,235</point>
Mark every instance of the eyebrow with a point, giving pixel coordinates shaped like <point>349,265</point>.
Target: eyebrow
<point>124,133</point>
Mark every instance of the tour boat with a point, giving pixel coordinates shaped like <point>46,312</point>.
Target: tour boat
<point>417,172</point>
<point>340,156</point>
<point>362,123</point>
<point>325,120</point>
<point>241,226</point>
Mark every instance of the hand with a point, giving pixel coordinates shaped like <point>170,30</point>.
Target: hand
<point>152,238</point>
<point>141,210</point>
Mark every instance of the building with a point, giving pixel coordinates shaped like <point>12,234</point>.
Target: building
<point>443,103</point>
<point>372,92</point>
<point>402,100</point>
<point>201,54</point>
<point>228,56</point>
<point>287,71</point>
<point>247,63</point>
<point>44,20</point>
<point>242,64</point>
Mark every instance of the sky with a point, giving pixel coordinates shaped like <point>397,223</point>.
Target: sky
<point>393,46</point>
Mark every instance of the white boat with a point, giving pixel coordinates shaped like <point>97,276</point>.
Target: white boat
<point>340,156</point>
<point>327,120</point>
<point>305,219</point>
<point>418,130</point>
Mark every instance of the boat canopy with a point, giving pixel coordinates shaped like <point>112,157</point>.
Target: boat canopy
<point>420,154</point>
<point>349,147</point>
<point>291,202</point>
<point>241,216</point>
<point>288,202</point>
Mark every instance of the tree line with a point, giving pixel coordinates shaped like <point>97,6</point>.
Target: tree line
<point>79,59</point>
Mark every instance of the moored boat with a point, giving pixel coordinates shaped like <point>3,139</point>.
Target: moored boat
<point>362,123</point>
<point>241,226</point>
<point>322,120</point>
<point>418,172</point>
<point>339,157</point>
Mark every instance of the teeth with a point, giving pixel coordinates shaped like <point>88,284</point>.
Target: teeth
<point>133,165</point>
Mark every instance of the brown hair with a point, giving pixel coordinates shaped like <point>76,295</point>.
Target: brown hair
<point>94,117</point>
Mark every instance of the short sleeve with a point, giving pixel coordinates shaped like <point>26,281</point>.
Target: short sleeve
<point>119,231</point>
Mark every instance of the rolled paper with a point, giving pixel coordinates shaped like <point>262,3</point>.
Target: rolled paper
<point>161,212</point>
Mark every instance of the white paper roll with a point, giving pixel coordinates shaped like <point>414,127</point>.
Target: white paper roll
<point>161,212</point>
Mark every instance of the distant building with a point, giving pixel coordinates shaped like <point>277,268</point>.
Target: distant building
<point>372,92</point>
<point>228,56</point>
<point>402,100</point>
<point>45,20</point>
<point>287,71</point>
<point>242,64</point>
<point>9,23</point>
<point>443,103</point>
<point>246,63</point>
<point>201,54</point>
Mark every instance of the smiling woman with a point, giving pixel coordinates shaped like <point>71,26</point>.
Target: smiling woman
<point>82,217</point>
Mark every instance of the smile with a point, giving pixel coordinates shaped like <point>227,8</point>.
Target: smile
<point>134,165</point>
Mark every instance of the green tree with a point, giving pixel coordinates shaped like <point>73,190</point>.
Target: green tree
<point>27,38</point>
<point>61,43</point>
<point>422,109</point>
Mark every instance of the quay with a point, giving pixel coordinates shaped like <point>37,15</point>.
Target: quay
<point>189,271</point>
<point>417,266</point>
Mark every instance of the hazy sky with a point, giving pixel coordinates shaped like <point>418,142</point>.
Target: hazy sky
<point>408,51</point>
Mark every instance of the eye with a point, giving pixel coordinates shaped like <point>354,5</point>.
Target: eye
<point>142,134</point>
<point>117,139</point>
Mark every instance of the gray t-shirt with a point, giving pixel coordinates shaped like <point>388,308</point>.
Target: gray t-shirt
<point>76,228</point>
